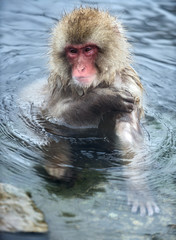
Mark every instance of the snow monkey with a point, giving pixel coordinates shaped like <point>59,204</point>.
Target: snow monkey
<point>92,85</point>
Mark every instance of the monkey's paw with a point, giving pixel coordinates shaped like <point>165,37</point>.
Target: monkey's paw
<point>142,203</point>
<point>58,173</point>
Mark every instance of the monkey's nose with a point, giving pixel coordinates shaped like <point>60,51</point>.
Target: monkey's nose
<point>81,68</point>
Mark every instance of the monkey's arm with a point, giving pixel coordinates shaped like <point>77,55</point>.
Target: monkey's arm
<point>86,110</point>
<point>131,140</point>
<point>89,108</point>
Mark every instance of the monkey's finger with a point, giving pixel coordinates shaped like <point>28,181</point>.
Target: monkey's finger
<point>128,107</point>
<point>135,207</point>
<point>149,209</point>
<point>128,97</point>
<point>125,91</point>
<point>156,208</point>
<point>142,209</point>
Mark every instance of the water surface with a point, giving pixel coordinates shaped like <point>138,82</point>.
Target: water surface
<point>94,206</point>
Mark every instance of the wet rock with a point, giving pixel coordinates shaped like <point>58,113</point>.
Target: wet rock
<point>18,212</point>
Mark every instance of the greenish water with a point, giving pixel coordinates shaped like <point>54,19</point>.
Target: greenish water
<point>94,204</point>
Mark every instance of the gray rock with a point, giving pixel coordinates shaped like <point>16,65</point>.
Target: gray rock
<point>18,212</point>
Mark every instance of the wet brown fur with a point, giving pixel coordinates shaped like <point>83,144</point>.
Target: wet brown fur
<point>90,25</point>
<point>104,106</point>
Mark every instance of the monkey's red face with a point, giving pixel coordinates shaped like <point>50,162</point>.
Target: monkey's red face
<point>82,60</point>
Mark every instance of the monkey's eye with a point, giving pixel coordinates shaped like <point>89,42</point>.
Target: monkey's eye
<point>88,49</point>
<point>73,50</point>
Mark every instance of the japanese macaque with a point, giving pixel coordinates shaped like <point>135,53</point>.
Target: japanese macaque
<point>92,85</point>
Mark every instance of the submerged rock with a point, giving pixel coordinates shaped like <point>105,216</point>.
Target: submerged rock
<point>18,212</point>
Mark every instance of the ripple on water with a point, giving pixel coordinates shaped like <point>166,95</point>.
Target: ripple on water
<point>97,201</point>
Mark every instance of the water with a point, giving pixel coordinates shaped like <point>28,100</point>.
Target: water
<point>94,205</point>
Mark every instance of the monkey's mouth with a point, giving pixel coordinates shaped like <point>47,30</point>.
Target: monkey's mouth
<point>84,81</point>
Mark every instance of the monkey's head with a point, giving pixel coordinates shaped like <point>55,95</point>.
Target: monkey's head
<point>87,48</point>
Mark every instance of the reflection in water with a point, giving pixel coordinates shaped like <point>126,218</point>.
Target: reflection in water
<point>95,198</point>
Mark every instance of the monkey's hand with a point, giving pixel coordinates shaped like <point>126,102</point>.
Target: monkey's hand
<point>89,108</point>
<point>111,99</point>
<point>58,160</point>
<point>142,202</point>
